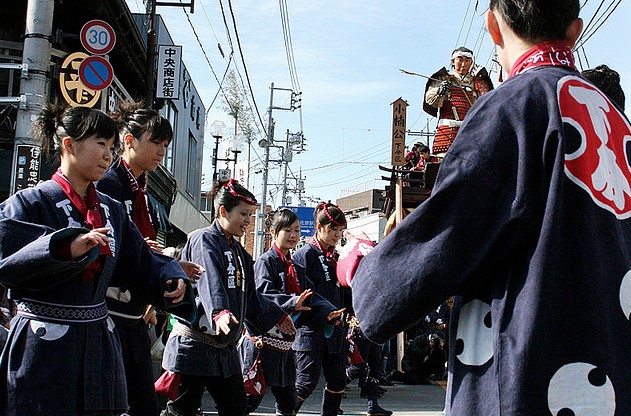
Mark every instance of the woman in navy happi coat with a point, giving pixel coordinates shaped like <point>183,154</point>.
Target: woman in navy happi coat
<point>63,355</point>
<point>205,354</point>
<point>313,350</point>
<point>284,283</point>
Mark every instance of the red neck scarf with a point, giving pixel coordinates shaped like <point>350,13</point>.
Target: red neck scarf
<point>330,253</point>
<point>139,209</point>
<point>552,53</point>
<point>89,209</point>
<point>291,280</point>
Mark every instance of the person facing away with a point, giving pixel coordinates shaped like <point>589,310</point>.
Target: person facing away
<point>61,243</point>
<point>608,81</point>
<point>450,96</point>
<point>204,353</point>
<point>529,226</point>
<point>145,135</point>
<point>284,283</point>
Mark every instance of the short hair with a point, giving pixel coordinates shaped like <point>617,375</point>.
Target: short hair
<point>608,81</point>
<point>536,21</point>
<point>283,218</point>
<point>424,149</point>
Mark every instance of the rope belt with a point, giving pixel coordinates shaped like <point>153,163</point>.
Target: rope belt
<point>183,330</point>
<point>54,312</point>
<point>276,344</point>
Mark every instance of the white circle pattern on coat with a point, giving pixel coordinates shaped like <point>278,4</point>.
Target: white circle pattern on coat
<point>625,295</point>
<point>48,331</point>
<point>581,389</point>
<point>474,338</point>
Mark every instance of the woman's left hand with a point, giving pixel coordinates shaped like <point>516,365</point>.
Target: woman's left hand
<point>176,295</point>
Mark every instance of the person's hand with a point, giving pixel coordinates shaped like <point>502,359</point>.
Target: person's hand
<point>193,270</point>
<point>335,316</point>
<point>223,322</point>
<point>301,299</point>
<point>83,243</point>
<point>154,245</point>
<point>177,295</point>
<point>444,88</point>
<point>286,326</point>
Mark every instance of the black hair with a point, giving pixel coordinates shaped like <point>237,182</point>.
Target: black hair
<point>327,213</point>
<point>132,117</point>
<point>423,149</point>
<point>55,122</point>
<point>608,81</point>
<point>283,218</point>
<point>536,21</point>
<point>230,194</point>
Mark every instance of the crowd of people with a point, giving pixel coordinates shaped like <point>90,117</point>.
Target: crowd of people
<point>85,273</point>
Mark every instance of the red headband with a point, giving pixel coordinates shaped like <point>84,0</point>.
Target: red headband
<point>326,212</point>
<point>230,186</point>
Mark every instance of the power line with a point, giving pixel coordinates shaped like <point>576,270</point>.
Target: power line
<point>245,68</point>
<point>291,63</point>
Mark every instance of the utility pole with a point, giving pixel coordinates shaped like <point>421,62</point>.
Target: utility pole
<point>285,159</point>
<point>34,89</point>
<point>259,242</point>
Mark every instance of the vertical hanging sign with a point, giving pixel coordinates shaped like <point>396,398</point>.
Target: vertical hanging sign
<point>399,108</point>
<point>169,63</point>
<point>27,172</point>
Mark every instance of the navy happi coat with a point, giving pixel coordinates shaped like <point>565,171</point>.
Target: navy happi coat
<point>53,368</point>
<point>121,301</point>
<point>227,284</point>
<point>529,225</point>
<point>279,367</point>
<point>324,280</point>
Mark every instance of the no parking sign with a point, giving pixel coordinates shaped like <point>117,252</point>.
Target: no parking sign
<point>96,73</point>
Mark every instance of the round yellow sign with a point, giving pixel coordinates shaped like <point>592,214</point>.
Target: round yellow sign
<point>74,92</point>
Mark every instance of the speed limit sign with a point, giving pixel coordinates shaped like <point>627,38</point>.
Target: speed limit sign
<point>98,37</point>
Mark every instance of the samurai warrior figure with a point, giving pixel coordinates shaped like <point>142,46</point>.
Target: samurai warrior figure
<point>450,96</point>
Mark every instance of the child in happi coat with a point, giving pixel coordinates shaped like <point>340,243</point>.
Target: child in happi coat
<point>284,283</point>
<point>204,354</point>
<point>145,136</point>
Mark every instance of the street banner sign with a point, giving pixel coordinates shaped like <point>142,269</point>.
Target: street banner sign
<point>399,109</point>
<point>169,63</point>
<point>98,37</point>
<point>96,73</point>
<point>305,215</point>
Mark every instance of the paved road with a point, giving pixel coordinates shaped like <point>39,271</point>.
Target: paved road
<point>427,400</point>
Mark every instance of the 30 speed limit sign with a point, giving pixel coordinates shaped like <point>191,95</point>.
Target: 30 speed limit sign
<point>98,37</point>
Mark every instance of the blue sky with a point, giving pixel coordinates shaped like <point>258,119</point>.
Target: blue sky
<point>348,55</point>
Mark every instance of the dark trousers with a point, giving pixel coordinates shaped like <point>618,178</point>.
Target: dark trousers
<point>286,400</point>
<point>228,394</point>
<point>308,365</point>
<point>369,372</point>
<point>136,347</point>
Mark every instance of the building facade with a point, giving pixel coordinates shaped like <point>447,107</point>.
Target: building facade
<point>175,186</point>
